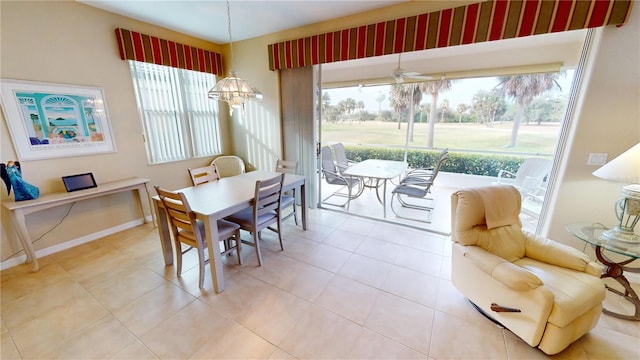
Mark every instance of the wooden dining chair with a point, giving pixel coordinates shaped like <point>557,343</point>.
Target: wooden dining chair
<point>288,198</point>
<point>187,230</point>
<point>263,213</point>
<point>204,174</point>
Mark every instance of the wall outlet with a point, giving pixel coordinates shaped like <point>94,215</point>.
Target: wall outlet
<point>597,158</point>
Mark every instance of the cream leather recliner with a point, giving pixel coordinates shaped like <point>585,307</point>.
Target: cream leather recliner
<point>547,293</point>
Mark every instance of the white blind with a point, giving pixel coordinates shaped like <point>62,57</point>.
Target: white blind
<point>178,120</point>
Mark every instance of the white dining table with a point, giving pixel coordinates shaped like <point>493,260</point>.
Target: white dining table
<point>215,200</point>
<point>379,170</point>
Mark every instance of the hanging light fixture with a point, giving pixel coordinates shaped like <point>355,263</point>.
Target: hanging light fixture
<point>232,89</point>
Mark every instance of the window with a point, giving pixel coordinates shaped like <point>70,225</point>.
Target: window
<point>178,120</point>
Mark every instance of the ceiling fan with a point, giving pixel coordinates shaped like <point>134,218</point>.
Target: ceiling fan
<point>399,74</point>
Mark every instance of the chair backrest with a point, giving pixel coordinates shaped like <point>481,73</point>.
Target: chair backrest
<point>489,217</point>
<point>182,220</point>
<point>229,165</point>
<point>444,156</point>
<point>267,197</point>
<point>340,155</point>
<point>328,166</point>
<point>533,168</point>
<point>204,174</point>
<point>287,167</point>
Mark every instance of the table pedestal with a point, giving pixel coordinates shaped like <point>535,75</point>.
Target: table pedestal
<point>616,271</point>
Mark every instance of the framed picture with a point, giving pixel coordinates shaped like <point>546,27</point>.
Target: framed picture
<point>49,120</point>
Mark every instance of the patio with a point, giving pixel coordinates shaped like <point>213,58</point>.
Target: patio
<point>367,204</point>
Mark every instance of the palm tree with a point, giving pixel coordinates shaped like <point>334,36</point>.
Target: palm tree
<point>398,100</point>
<point>434,87</point>
<point>444,106</point>
<point>524,88</point>
<point>461,109</point>
<point>379,99</point>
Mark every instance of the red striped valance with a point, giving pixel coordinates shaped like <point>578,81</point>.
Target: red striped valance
<point>474,23</point>
<point>145,48</point>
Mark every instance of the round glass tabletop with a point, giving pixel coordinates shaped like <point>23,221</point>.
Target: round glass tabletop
<point>592,234</point>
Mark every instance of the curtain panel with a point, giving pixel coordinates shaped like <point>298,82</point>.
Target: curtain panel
<point>484,21</point>
<point>145,48</point>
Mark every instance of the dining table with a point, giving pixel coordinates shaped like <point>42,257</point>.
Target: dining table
<point>379,171</point>
<point>215,200</point>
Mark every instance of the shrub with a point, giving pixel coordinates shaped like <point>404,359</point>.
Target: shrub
<point>461,163</point>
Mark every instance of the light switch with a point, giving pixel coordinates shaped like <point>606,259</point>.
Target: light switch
<point>597,158</point>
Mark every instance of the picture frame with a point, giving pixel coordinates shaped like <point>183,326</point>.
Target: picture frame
<point>48,120</point>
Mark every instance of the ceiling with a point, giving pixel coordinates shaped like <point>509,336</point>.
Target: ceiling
<point>207,19</point>
<point>250,18</point>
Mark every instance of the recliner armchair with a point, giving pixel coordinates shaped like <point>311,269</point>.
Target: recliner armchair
<point>546,293</point>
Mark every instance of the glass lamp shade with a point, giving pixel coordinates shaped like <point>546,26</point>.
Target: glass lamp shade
<point>234,91</point>
<point>624,168</point>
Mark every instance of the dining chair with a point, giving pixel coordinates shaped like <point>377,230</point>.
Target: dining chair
<point>204,174</point>
<point>263,213</point>
<point>288,198</point>
<point>229,165</point>
<point>187,230</point>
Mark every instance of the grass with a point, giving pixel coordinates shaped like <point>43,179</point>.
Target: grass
<point>536,139</point>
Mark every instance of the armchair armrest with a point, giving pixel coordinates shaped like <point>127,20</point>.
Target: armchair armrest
<point>555,253</point>
<point>507,273</point>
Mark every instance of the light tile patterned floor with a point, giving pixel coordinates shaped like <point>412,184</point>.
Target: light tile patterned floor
<point>346,288</point>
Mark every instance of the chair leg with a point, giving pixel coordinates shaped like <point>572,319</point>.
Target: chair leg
<point>200,250</point>
<point>256,239</point>
<point>238,246</point>
<point>280,234</point>
<point>178,258</point>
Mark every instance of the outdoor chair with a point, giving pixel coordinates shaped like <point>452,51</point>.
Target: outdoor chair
<point>263,213</point>
<point>186,229</point>
<point>413,189</point>
<point>353,185</point>
<point>288,198</point>
<point>229,165</point>
<point>530,176</point>
<point>341,161</point>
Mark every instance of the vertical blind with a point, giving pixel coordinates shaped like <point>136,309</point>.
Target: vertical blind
<point>178,120</point>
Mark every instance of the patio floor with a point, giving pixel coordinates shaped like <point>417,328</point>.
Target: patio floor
<point>368,205</point>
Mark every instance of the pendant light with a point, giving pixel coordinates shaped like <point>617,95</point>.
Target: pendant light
<point>232,89</point>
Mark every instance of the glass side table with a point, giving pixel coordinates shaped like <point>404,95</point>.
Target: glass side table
<point>592,234</point>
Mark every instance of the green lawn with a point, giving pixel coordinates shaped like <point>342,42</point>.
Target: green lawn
<point>531,138</point>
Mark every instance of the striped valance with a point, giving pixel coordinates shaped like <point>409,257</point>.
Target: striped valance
<point>146,48</point>
<point>474,23</point>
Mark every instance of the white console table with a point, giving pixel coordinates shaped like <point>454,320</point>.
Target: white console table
<point>19,209</point>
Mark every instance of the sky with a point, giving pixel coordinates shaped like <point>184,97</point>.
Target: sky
<point>461,92</point>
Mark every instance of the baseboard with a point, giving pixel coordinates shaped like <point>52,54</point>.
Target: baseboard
<point>71,243</point>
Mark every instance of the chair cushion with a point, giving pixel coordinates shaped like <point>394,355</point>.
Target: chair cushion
<point>244,218</point>
<point>226,229</point>
<point>287,200</point>
<point>574,292</point>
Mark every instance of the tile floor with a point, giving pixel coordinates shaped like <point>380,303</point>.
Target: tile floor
<point>346,288</point>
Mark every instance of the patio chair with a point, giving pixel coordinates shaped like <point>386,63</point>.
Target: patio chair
<point>414,188</point>
<point>354,185</point>
<point>530,176</point>
<point>342,163</point>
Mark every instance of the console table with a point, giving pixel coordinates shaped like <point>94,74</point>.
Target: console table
<point>592,234</point>
<point>19,209</point>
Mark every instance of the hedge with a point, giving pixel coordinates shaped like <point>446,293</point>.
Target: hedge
<point>461,163</point>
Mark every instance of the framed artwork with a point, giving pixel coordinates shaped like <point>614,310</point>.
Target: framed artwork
<point>49,120</point>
